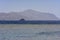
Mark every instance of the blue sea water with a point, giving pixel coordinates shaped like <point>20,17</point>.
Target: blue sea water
<point>28,34</point>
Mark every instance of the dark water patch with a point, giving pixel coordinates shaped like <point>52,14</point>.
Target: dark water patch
<point>49,33</point>
<point>30,22</point>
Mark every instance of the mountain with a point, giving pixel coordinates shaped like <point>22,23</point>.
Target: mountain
<point>27,15</point>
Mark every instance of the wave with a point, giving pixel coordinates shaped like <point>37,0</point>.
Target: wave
<point>48,33</point>
<point>39,34</point>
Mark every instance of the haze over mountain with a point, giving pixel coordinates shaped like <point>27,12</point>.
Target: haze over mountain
<point>27,15</point>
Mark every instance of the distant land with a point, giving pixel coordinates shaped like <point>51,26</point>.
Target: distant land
<point>28,15</point>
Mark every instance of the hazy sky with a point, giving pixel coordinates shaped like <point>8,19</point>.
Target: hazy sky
<point>50,6</point>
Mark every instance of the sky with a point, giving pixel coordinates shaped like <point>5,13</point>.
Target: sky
<point>48,6</point>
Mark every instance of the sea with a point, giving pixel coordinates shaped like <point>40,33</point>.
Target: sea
<point>30,34</point>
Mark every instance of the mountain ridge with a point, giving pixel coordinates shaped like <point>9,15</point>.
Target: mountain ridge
<point>28,15</point>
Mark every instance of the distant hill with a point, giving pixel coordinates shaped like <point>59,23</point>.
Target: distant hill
<point>27,15</point>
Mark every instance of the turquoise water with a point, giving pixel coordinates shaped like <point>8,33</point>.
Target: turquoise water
<point>30,32</point>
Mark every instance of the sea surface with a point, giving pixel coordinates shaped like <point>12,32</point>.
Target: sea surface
<point>30,33</point>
